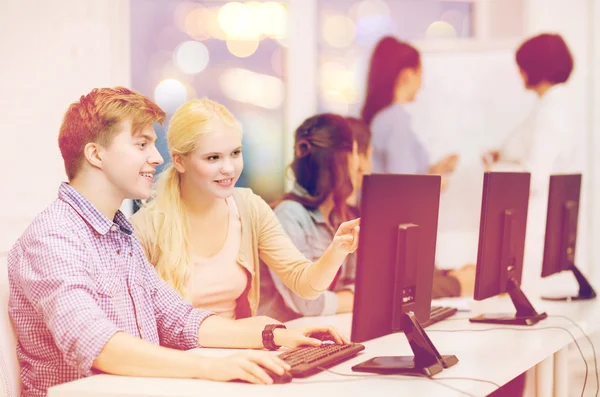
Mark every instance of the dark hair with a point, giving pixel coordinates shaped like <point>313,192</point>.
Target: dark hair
<point>545,57</point>
<point>361,133</point>
<point>320,164</point>
<point>389,58</point>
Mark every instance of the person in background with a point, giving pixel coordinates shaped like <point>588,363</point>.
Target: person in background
<point>446,283</point>
<point>305,220</point>
<point>394,79</point>
<point>541,144</point>
<point>206,237</point>
<point>326,170</point>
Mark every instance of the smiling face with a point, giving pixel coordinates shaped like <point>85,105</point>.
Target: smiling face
<point>216,163</point>
<point>129,161</point>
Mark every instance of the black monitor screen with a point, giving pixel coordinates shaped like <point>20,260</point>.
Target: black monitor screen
<point>501,232</point>
<point>399,217</point>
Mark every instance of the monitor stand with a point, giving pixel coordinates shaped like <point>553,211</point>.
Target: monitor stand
<point>526,313</point>
<point>586,291</point>
<point>426,360</point>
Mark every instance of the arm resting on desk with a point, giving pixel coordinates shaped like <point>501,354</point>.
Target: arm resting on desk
<point>217,331</point>
<point>127,355</point>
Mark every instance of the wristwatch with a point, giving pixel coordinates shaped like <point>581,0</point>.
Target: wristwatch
<point>267,336</point>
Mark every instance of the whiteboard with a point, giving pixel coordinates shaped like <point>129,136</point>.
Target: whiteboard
<point>468,103</point>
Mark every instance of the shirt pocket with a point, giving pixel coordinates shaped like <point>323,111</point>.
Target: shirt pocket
<point>140,294</point>
<point>110,289</point>
<point>108,285</point>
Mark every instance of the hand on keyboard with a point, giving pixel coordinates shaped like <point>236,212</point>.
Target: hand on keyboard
<point>324,337</point>
<point>306,361</point>
<point>308,336</point>
<point>249,366</point>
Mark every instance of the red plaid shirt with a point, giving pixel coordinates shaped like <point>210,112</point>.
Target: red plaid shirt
<point>77,278</point>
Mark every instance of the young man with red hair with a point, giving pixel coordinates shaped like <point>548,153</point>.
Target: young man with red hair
<point>83,297</point>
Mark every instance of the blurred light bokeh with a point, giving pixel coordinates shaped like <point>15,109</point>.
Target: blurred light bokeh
<point>234,53</point>
<point>231,52</point>
<point>350,29</point>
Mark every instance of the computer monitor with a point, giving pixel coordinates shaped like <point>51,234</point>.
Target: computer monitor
<point>502,245</point>
<point>394,274</point>
<point>561,233</point>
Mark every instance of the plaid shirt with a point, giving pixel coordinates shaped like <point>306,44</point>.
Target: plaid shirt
<point>76,278</point>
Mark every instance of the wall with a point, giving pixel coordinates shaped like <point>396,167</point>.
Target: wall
<point>52,52</point>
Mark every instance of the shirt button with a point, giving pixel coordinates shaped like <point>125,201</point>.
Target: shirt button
<point>114,228</point>
<point>241,258</point>
<point>130,254</point>
<point>118,252</point>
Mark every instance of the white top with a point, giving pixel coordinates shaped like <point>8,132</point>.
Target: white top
<point>217,282</point>
<point>542,146</point>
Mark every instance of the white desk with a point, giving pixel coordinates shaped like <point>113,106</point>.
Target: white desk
<point>498,356</point>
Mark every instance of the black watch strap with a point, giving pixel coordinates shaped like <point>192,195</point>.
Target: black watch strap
<point>267,336</point>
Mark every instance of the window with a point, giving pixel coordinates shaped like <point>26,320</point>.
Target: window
<point>229,52</point>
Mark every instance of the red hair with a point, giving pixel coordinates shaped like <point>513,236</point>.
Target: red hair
<point>95,118</point>
<point>388,60</point>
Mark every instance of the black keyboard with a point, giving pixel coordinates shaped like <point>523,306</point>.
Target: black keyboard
<point>306,361</point>
<point>437,314</point>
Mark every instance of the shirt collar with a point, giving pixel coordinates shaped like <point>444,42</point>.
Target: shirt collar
<point>90,213</point>
<point>554,92</point>
<point>315,213</point>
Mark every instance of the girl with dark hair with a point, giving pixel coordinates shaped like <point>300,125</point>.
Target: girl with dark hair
<point>394,80</point>
<point>331,156</point>
<point>325,168</point>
